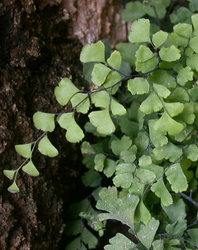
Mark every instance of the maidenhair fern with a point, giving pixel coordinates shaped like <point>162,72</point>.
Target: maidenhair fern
<point>144,110</point>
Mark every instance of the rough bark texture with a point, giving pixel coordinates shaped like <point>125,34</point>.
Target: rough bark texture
<point>40,44</point>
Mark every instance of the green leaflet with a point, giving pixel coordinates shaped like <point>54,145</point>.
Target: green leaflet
<point>183,30</point>
<point>176,178</point>
<point>30,169</point>
<point>145,160</point>
<point>110,167</point>
<point>44,121</point>
<point>94,52</point>
<point>167,124</point>
<point>151,104</point>
<point>138,86</point>
<point>170,54</point>
<point>118,242</point>
<point>99,162</point>
<point>121,209</point>
<point>24,150</point>
<point>124,175</point>
<point>64,91</point>
<point>99,74</point>
<point>164,78</point>
<point>169,152</point>
<point>142,141</point>
<point>177,228</point>
<point>145,176</point>
<point>80,101</point>
<point>115,60</point>
<point>142,214</point>
<point>140,31</point>
<point>123,144</point>
<point>193,235</point>
<point>13,188</point>
<point>143,54</point>
<point>46,148</point>
<point>106,127</point>
<point>74,132</point>
<point>102,99</point>
<point>178,95</point>
<point>133,11</point>
<point>9,173</point>
<point>158,138</point>
<point>185,75</point>
<point>159,38</point>
<point>162,192</point>
<point>147,66</point>
<point>176,211</point>
<point>192,62</point>
<point>147,232</point>
<point>91,178</point>
<point>174,108</point>
<point>158,245</point>
<point>194,19</point>
<point>161,90</point>
<point>193,43</point>
<point>192,152</point>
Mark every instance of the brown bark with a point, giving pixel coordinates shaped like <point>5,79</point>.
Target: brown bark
<point>40,43</point>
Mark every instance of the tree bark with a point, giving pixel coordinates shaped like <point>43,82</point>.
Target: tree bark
<point>40,43</point>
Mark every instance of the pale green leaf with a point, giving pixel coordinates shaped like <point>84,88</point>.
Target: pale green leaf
<point>101,99</point>
<point>129,155</point>
<point>140,31</point>
<point>13,188</point>
<point>181,15</point>
<point>88,238</point>
<point>178,95</point>
<point>138,86</point>
<point>120,209</point>
<point>192,62</point>
<point>192,152</point>
<point>64,91</point>
<point>113,82</point>
<point>137,188</point>
<point>127,51</point>
<point>117,108</point>
<point>9,173</point>
<point>183,30</point>
<point>143,54</point>
<point>193,235</point>
<point>159,38</point>
<point>164,78</point>
<point>99,74</point>
<point>118,242</point>
<point>169,152</point>
<point>162,192</point>
<point>195,23</point>
<point>176,228</point>
<point>30,169</point>
<point>110,167</point>
<point>174,108</point>
<point>44,121</point>
<point>24,150</point>
<point>94,52</point>
<point>161,90</point>
<point>157,170</point>
<point>158,245</point>
<point>176,178</point>
<point>145,160</point>
<point>124,177</point>
<point>142,141</point>
<point>133,11</point>
<point>147,66</point>
<point>80,102</point>
<point>123,144</point>
<point>86,148</point>
<point>158,138</point>
<point>193,43</point>
<point>99,162</point>
<point>115,60</point>
<point>46,148</point>
<point>147,232</point>
<point>74,132</point>
<point>170,54</point>
<point>167,124</point>
<point>145,176</point>
<point>185,75</point>
<point>151,104</point>
<point>142,214</point>
<point>102,121</point>
<point>176,211</point>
